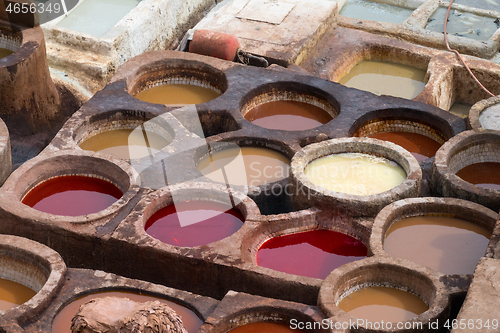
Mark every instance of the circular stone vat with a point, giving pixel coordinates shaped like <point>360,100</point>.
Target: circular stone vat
<point>124,137</point>
<point>177,82</point>
<point>5,153</point>
<point>372,291</point>
<point>30,275</point>
<point>380,158</point>
<point>264,327</point>
<point>195,214</point>
<point>78,171</point>
<point>243,165</point>
<point>447,235</point>
<point>386,78</point>
<point>421,140</point>
<point>313,253</point>
<point>62,321</point>
<point>466,167</point>
<point>485,114</point>
<point>288,106</point>
<point>10,42</point>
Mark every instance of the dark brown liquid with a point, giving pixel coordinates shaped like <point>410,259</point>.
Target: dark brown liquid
<point>447,245</point>
<point>486,175</point>
<point>288,115</point>
<point>375,304</point>
<point>420,146</point>
<point>194,223</point>
<point>13,294</point>
<point>264,327</point>
<point>72,195</point>
<point>62,321</point>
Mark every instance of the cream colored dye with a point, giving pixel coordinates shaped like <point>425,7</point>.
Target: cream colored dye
<point>355,173</point>
<point>460,109</point>
<point>96,17</point>
<point>5,52</point>
<point>125,143</point>
<point>385,78</point>
<point>245,166</point>
<point>463,24</point>
<point>374,11</point>
<point>490,118</point>
<point>177,94</point>
<point>375,304</point>
<point>447,245</point>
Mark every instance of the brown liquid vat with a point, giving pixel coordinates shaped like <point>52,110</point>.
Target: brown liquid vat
<point>383,272</point>
<point>35,266</point>
<point>307,193</point>
<point>446,207</point>
<point>464,149</point>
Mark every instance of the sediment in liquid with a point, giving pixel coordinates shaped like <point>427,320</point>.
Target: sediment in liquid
<point>264,327</point>
<point>177,94</point>
<point>194,223</point>
<point>125,143</point>
<point>62,321</point>
<point>72,195</point>
<point>447,245</point>
<point>486,174</point>
<point>288,115</point>
<point>376,303</point>
<point>375,11</point>
<point>355,173</point>
<point>462,24</point>
<point>385,78</point>
<point>312,253</point>
<point>13,294</point>
<point>420,146</point>
<point>5,52</point>
<point>245,166</point>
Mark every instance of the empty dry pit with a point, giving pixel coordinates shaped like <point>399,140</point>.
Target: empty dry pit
<point>466,167</point>
<point>343,174</point>
<point>288,106</point>
<point>445,234</point>
<point>373,291</point>
<point>419,138</point>
<point>177,82</point>
<point>30,276</point>
<point>122,136</point>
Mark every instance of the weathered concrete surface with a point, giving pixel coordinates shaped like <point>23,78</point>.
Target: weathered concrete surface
<point>282,31</point>
<point>480,308</point>
<point>5,153</point>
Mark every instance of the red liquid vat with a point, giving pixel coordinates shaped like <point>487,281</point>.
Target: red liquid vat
<point>485,175</point>
<point>312,253</point>
<point>212,221</point>
<point>420,146</point>
<point>72,195</point>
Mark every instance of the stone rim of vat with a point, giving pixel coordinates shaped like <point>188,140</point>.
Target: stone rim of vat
<point>41,261</point>
<point>231,142</point>
<point>386,272</point>
<point>5,153</point>
<point>412,207</point>
<point>60,163</point>
<point>474,146</point>
<point>97,124</point>
<point>290,91</point>
<point>163,197</point>
<point>238,308</point>
<point>172,70</point>
<point>307,193</point>
<point>477,109</point>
